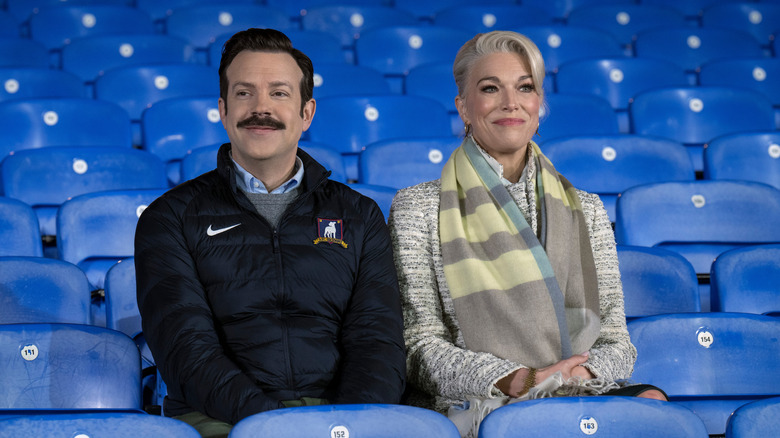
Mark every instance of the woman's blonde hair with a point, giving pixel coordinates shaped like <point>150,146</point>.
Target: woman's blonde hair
<point>499,41</point>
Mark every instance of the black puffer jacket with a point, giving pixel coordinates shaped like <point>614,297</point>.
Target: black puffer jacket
<point>240,318</point>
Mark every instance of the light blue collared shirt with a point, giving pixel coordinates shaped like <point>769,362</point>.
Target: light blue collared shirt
<point>248,183</point>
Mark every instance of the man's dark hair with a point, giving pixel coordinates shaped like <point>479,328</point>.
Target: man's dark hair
<point>265,40</point>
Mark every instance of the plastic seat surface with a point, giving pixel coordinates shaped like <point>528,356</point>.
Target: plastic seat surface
<point>691,47</point>
<point>91,57</point>
<point>759,74</point>
<point>320,47</point>
<point>751,156</point>
<point>574,417</point>
<point>480,18</point>
<point>563,43</point>
<point>576,114</point>
<point>19,229</point>
<point>332,79</point>
<point>608,165</point>
<point>201,24</point>
<point>22,10</point>
<point>37,123</point>
<point>625,21</point>
<point>57,25</point>
<point>136,88</point>
<point>758,418</point>
<point>688,354</point>
<point>367,119</point>
<point>121,304</point>
<point>159,10</point>
<point>22,52</point>
<point>690,8</point>
<point>657,281</point>
<point>198,161</point>
<point>347,22</point>
<point>43,290</point>
<point>756,18</point>
<point>68,367</point>
<point>747,280</point>
<point>404,162</point>
<point>114,424</point>
<point>375,420</point>
<point>699,219</point>
<point>95,230</point>
<point>561,9</point>
<point>328,157</point>
<point>37,82</point>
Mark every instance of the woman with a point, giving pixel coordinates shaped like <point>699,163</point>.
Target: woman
<point>509,276</point>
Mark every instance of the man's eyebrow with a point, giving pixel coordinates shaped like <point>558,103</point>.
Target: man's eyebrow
<point>243,84</point>
<point>281,84</point>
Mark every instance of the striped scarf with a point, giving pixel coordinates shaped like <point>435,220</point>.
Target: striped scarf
<point>522,297</point>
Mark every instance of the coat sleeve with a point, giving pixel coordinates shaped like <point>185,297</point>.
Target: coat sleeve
<point>613,355</point>
<point>437,360</point>
<point>373,365</point>
<point>179,326</point>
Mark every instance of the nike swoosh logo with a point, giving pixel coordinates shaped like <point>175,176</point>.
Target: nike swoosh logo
<point>212,232</point>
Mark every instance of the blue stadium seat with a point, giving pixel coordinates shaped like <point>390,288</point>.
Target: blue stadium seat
<point>19,229</point>
<point>689,354</point>
<point>58,25</point>
<point>624,21</point>
<point>320,47</point>
<point>375,420</point>
<point>561,9</point>
<point>759,74</point>
<point>758,19</point>
<point>746,280</point>
<point>45,178</point>
<point>201,24</point>
<point>67,367</point>
<point>22,10</point>
<point>198,161</point>
<point>159,10</point>
<point>480,18</point>
<point>43,290</point>
<point>395,50</point>
<point>691,47</point>
<point>564,43</point>
<point>298,9</point>
<point>337,79</point>
<point>382,195</point>
<point>692,9</point>
<point>37,123</point>
<point>196,124</point>
<point>367,119</point>
<point>96,230</point>
<point>698,219</point>
<point>328,157</point>
<point>758,418</point>
<point>576,114</point>
<point>113,424</point>
<point>37,82</point>
<point>122,312</point>
<point>696,115</point>
<point>750,156</point>
<point>657,281</point>
<point>348,22</point>
<point>22,52</point>
<point>9,26</point>
<point>609,165</point>
<point>605,417</point>
<point>91,57</point>
<point>404,162</point>
<point>427,10</point>
<point>434,80</point>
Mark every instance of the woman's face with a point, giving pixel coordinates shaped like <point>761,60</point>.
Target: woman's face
<point>501,104</point>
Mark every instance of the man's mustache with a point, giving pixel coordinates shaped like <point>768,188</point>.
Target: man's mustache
<point>256,121</point>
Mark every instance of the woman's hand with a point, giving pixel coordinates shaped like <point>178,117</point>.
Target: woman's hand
<point>568,368</point>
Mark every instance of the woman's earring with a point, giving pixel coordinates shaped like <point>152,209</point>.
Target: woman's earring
<point>537,130</point>
<point>467,127</point>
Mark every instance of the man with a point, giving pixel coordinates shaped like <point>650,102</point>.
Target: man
<point>262,284</point>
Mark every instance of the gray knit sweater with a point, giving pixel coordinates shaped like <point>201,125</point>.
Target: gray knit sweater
<point>440,369</point>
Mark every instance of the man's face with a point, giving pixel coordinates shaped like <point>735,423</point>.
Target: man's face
<point>262,115</point>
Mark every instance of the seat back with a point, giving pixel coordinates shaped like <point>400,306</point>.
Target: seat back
<point>427,11</point>
<point>43,290</point>
<point>68,367</point>
<point>22,52</point>
<point>750,156</point>
<point>759,418</point>
<point>561,9</point>
<point>201,24</point>
<point>328,157</point>
<point>375,420</point>
<point>382,195</point>
<point>747,280</point>
<point>625,21</point>
<point>136,88</point>
<point>36,123</point>
<point>90,57</point>
<point>340,79</point>
<point>347,22</point>
<point>759,74</point>
<point>367,119</point>
<point>576,114</point>
<point>657,281</point>
<point>699,219</point>
<point>19,229</point>
<point>198,161</point>
<point>563,43</point>
<point>121,304</point>
<point>758,19</point>
<point>481,18</point>
<point>38,82</point>
<point>114,424</point>
<point>96,230</point>
<point>320,47</point>
<point>57,25</point>
<point>607,417</point>
<point>404,162</point>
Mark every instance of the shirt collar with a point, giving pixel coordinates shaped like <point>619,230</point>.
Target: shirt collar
<point>499,168</point>
<point>248,183</point>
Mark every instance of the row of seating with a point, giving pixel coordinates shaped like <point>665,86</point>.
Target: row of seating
<point>82,369</point>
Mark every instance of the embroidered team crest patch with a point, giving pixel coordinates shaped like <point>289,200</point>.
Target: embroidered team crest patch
<point>330,231</point>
